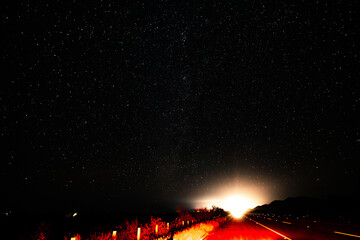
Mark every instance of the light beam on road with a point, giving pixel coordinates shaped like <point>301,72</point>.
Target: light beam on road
<point>285,237</point>
<point>347,234</point>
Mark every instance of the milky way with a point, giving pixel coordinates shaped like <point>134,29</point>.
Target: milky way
<point>119,104</point>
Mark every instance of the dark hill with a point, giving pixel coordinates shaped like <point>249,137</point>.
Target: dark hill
<point>342,208</point>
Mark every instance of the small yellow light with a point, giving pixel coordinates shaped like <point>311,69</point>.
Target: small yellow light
<point>138,234</point>
<point>114,233</point>
<point>75,214</point>
<point>156,229</point>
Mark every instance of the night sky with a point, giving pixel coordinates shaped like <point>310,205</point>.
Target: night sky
<point>139,106</point>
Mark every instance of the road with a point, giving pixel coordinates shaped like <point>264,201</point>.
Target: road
<point>254,227</point>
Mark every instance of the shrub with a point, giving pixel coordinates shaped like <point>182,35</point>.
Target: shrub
<point>197,231</point>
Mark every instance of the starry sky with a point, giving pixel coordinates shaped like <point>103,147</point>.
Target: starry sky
<point>138,105</point>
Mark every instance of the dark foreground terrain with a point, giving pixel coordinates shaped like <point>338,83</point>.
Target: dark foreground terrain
<point>56,226</point>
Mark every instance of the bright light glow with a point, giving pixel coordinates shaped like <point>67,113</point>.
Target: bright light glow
<point>233,195</point>
<point>237,205</point>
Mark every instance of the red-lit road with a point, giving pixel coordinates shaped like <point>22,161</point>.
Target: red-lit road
<point>265,228</point>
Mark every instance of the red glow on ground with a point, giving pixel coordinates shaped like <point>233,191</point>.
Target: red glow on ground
<point>243,230</point>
